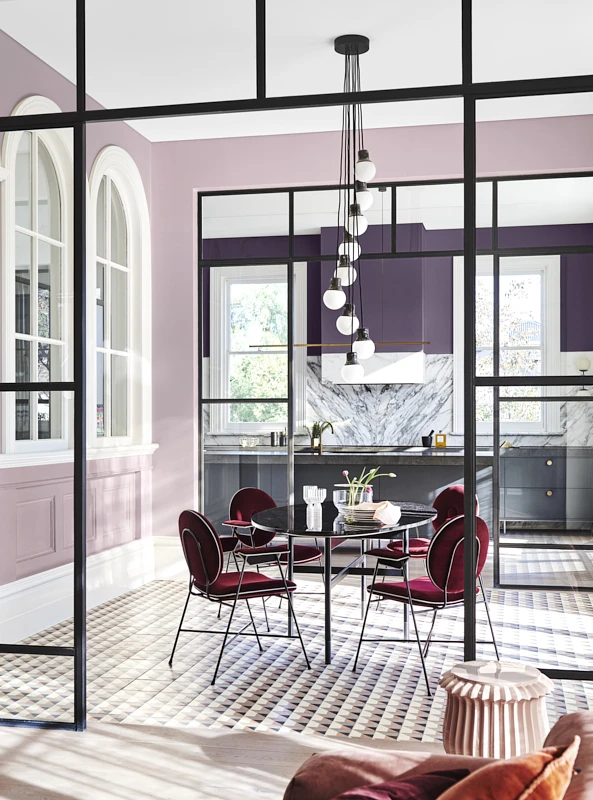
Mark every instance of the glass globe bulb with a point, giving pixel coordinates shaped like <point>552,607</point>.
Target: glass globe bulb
<point>349,247</point>
<point>365,169</point>
<point>364,196</point>
<point>364,348</point>
<point>357,223</point>
<point>347,322</point>
<point>583,364</point>
<point>346,274</point>
<point>334,297</point>
<point>352,371</point>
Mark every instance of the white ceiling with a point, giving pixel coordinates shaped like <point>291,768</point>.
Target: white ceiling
<point>535,202</point>
<point>140,52</point>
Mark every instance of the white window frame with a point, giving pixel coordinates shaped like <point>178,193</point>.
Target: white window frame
<point>59,147</point>
<point>549,268</point>
<point>120,167</point>
<point>220,280</point>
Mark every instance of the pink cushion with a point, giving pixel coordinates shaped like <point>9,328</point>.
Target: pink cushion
<point>578,724</point>
<point>420,787</point>
<point>422,590</point>
<point>237,523</point>
<point>254,584</point>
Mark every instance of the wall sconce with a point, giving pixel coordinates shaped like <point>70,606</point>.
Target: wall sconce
<point>583,364</point>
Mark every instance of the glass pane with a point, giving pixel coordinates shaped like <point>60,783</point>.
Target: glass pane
<point>484,312</point>
<point>101,223</point>
<point>119,230</point>
<point>521,298</point>
<point>119,396</point>
<point>50,362</point>
<point>258,314</point>
<point>22,181</point>
<point>546,212</point>
<point>23,399</point>
<point>245,226</point>
<point>101,395</point>
<point>100,304</point>
<point>119,309</point>
<point>244,425</point>
<point>23,283</point>
<point>49,291</point>
<point>48,200</point>
<point>49,415</point>
<point>430,217</point>
<point>263,375</point>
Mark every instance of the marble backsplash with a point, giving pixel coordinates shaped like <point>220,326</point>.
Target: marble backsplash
<point>400,414</point>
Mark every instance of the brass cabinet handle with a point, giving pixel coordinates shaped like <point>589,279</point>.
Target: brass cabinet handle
<point>549,463</point>
<point>549,492</point>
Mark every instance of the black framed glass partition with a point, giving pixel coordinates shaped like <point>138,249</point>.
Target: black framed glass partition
<point>513,80</point>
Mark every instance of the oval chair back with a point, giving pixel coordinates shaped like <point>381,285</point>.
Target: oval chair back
<point>444,562</point>
<point>244,504</point>
<point>201,547</point>
<point>449,504</point>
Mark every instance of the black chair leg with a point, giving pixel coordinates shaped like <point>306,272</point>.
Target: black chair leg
<point>261,649</point>
<point>427,643</point>
<point>366,613</point>
<point>226,636</point>
<point>291,607</point>
<point>180,625</point>
<point>418,639</point>
<point>489,617</point>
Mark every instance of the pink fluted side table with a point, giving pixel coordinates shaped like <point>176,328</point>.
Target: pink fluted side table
<point>495,709</point>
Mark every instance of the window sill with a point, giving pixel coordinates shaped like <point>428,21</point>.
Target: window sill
<point>41,459</point>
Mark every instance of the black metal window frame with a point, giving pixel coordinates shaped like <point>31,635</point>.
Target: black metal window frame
<point>468,90</point>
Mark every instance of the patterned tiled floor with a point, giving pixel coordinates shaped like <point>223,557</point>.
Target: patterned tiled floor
<point>129,681</point>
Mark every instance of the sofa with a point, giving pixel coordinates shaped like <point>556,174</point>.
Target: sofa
<point>325,775</point>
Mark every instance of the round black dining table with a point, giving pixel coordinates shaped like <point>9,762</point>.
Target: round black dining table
<point>297,521</point>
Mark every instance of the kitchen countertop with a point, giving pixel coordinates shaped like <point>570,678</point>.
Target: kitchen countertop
<point>411,456</point>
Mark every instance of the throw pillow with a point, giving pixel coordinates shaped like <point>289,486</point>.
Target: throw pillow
<point>420,787</point>
<point>544,775</point>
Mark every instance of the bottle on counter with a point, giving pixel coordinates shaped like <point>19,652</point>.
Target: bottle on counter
<point>283,438</point>
<point>274,438</point>
<point>440,440</point>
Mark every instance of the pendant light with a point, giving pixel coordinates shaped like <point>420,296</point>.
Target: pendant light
<point>354,197</point>
<point>349,247</point>
<point>347,323</point>
<point>364,347</point>
<point>352,371</point>
<point>364,196</point>
<point>345,271</point>
<point>335,296</point>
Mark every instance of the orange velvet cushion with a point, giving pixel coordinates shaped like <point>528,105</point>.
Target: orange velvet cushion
<point>544,775</point>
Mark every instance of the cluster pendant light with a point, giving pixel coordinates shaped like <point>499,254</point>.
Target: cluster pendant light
<point>356,170</point>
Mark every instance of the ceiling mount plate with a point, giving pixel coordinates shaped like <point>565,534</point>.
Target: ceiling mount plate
<point>351,44</point>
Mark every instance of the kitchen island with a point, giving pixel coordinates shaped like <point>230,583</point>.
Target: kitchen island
<point>421,473</point>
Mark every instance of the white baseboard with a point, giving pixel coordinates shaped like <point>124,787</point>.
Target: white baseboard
<point>32,604</point>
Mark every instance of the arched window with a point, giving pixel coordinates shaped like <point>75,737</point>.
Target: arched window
<point>37,289</point>
<point>112,313</point>
<point>118,313</point>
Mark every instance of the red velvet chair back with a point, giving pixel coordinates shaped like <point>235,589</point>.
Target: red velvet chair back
<point>444,562</point>
<point>244,504</point>
<point>198,536</point>
<point>449,504</point>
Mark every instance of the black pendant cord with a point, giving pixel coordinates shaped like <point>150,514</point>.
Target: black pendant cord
<point>341,176</point>
<point>355,218</point>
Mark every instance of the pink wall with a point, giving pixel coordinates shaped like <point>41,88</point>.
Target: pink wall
<point>180,168</point>
<point>36,503</point>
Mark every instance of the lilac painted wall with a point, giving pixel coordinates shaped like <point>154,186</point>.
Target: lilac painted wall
<point>179,169</point>
<point>36,503</point>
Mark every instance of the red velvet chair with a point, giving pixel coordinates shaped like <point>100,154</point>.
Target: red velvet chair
<point>448,504</point>
<point>442,588</point>
<point>244,504</point>
<point>204,556</point>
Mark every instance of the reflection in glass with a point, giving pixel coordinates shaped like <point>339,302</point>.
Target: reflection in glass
<point>49,415</point>
<point>119,307</point>
<point>119,232</point>
<point>23,283</point>
<point>48,197</point>
<point>119,395</point>
<point>101,394</point>
<point>49,291</point>
<point>23,399</point>
<point>22,180</point>
<point>100,304</point>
